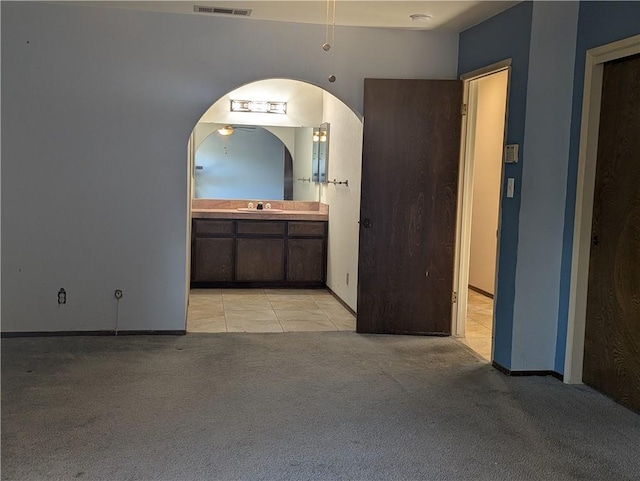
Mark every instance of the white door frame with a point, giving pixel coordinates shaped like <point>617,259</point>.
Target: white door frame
<point>587,157</point>
<point>191,154</point>
<point>465,183</point>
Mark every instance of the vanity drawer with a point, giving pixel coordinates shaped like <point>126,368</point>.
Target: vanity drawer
<point>212,227</point>
<point>261,227</point>
<point>307,229</point>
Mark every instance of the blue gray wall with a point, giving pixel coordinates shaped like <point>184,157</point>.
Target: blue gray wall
<point>98,200</point>
<point>599,23</point>
<point>547,42</point>
<point>506,35</point>
<point>544,170</point>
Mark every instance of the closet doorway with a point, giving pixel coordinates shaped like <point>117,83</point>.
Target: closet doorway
<point>479,213</point>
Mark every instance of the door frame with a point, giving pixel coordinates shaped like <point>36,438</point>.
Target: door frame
<point>191,155</point>
<point>465,198</point>
<point>585,185</point>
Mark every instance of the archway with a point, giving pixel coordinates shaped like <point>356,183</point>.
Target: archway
<point>307,107</point>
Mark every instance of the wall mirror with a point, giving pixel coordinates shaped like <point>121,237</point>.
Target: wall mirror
<point>320,153</point>
<point>254,162</point>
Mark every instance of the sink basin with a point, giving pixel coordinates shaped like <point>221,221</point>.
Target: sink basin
<point>262,211</point>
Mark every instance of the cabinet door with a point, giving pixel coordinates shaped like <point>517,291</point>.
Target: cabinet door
<point>306,260</point>
<point>212,260</point>
<point>260,260</point>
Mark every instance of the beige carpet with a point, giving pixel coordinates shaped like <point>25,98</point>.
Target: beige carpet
<point>296,406</point>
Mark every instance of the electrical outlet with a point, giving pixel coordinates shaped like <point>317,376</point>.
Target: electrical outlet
<point>62,296</point>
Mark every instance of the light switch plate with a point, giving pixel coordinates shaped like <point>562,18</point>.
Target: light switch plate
<point>511,154</point>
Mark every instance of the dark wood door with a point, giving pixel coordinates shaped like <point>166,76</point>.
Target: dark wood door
<point>612,336</point>
<point>410,159</point>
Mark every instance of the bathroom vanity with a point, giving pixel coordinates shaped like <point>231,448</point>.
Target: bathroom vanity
<point>234,246</point>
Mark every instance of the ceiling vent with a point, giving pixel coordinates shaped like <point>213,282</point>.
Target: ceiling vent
<point>242,12</point>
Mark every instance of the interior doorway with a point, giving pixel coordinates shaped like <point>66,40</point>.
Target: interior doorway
<point>595,61</point>
<point>260,255</point>
<point>612,331</point>
<point>479,209</point>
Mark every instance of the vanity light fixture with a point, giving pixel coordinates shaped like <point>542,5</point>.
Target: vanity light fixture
<point>259,107</point>
<point>319,135</point>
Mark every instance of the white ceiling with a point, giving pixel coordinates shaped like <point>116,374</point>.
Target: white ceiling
<point>448,15</point>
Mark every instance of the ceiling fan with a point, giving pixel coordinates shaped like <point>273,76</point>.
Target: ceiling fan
<point>230,129</point>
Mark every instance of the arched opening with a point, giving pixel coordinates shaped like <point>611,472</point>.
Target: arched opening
<point>293,264</point>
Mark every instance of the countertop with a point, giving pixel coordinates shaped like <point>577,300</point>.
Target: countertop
<point>264,214</point>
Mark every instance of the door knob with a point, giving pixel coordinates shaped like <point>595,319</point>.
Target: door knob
<point>366,223</point>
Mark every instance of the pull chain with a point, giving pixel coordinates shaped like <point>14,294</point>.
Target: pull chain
<point>327,46</point>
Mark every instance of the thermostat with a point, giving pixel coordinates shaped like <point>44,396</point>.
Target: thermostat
<point>511,154</point>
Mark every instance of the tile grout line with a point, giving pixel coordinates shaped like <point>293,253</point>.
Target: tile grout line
<point>224,314</point>
<point>323,309</point>
<point>326,315</point>
<point>275,313</point>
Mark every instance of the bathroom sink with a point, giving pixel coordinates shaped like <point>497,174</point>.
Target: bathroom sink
<point>261,211</point>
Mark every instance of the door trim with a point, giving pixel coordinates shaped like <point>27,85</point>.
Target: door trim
<point>191,155</point>
<point>585,185</point>
<point>463,218</point>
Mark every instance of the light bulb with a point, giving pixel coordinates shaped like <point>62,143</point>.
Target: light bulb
<point>226,130</point>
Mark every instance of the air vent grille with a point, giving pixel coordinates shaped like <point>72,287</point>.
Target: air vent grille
<point>242,12</point>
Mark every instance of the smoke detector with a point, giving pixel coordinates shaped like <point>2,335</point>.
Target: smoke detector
<point>420,17</point>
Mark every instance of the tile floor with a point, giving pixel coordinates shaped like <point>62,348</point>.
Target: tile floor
<point>266,310</point>
<point>295,310</point>
<point>479,324</point>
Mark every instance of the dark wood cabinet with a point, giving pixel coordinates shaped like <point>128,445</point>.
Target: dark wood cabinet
<point>306,261</point>
<point>306,229</point>
<point>203,227</point>
<point>260,260</point>
<point>261,228</point>
<point>214,259</point>
<point>257,253</point>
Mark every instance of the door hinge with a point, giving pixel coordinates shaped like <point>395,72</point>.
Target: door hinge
<point>454,298</point>
<point>464,109</point>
